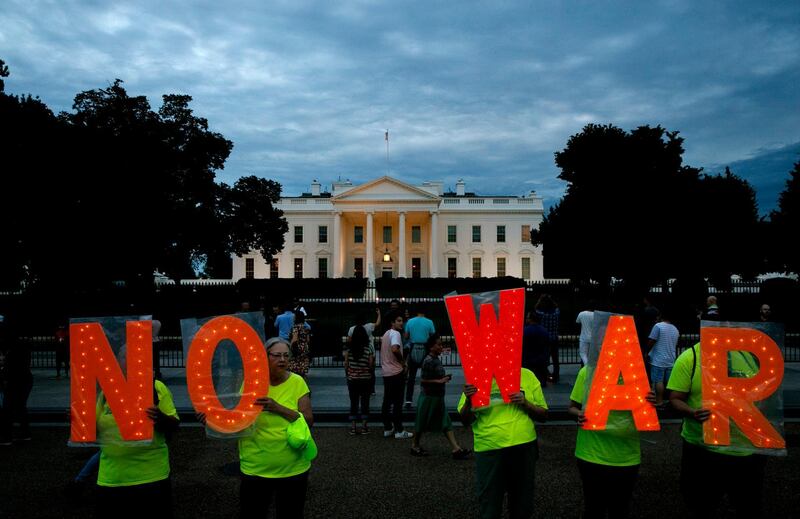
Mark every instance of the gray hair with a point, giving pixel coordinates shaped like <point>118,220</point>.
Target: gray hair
<point>276,340</point>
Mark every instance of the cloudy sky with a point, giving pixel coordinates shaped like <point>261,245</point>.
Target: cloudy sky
<point>485,91</point>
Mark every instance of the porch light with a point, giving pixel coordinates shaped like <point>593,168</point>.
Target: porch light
<point>386,256</point>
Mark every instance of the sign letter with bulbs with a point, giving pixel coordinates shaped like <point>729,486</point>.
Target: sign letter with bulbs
<point>199,379</point>
<point>491,348</point>
<point>620,356</point>
<point>128,394</point>
<point>733,397</point>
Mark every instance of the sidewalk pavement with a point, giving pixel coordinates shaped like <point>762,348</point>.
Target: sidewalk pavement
<point>49,398</point>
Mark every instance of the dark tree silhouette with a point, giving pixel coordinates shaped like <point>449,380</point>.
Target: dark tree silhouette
<point>633,210</point>
<point>121,190</point>
<point>624,212</point>
<point>784,226</point>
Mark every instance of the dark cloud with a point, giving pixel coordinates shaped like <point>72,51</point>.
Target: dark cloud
<point>474,90</point>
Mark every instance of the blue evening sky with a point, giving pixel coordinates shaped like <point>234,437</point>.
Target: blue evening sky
<point>485,91</point>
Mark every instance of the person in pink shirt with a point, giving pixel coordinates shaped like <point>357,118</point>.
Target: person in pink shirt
<point>393,367</point>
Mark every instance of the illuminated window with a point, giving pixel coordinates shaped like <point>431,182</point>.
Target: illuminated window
<point>298,268</point>
<point>273,268</point>
<point>526,268</point>
<point>358,267</point>
<point>501,267</point>
<point>526,234</point>
<point>476,267</point>
<point>452,269</point>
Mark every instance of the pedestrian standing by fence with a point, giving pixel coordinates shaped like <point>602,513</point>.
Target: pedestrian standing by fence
<point>359,367</point>
<point>62,350</point>
<point>300,341</point>
<point>663,343</point>
<point>417,331</point>
<point>585,319</point>
<point>549,315</point>
<point>432,413</point>
<point>393,366</point>
<point>370,327</point>
<point>18,385</point>
<point>536,347</point>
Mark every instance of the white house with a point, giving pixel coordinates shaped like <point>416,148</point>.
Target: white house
<point>387,227</point>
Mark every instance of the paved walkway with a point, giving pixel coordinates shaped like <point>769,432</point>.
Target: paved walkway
<point>50,396</point>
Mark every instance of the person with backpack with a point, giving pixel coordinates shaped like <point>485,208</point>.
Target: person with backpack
<point>708,472</point>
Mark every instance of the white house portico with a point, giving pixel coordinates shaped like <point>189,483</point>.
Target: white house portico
<point>387,227</point>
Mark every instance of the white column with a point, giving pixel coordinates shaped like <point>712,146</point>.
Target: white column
<point>401,263</point>
<point>370,249</point>
<point>434,260</point>
<point>337,244</point>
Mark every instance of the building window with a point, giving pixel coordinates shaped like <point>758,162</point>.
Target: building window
<point>476,234</point>
<point>501,267</point>
<point>298,268</point>
<point>501,234</point>
<point>451,234</point>
<point>526,234</point>
<point>298,234</point>
<point>249,268</point>
<point>323,268</point>
<point>526,268</point>
<point>452,269</point>
<point>323,234</point>
<point>416,267</point>
<point>358,234</point>
<point>273,268</point>
<point>476,267</point>
<point>387,234</point>
<point>416,234</point>
<point>358,267</point>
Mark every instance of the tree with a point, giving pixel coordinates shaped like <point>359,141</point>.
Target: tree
<point>131,190</point>
<point>624,212</point>
<point>784,226</point>
<point>730,243</point>
<point>633,210</point>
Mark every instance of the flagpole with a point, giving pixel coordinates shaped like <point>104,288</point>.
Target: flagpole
<point>386,138</point>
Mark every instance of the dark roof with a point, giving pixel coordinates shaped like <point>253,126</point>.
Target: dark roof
<point>309,195</point>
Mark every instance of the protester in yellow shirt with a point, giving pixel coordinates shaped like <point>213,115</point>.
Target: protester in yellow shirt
<point>608,460</point>
<point>709,472</point>
<point>271,468</point>
<point>505,446</point>
<point>133,480</point>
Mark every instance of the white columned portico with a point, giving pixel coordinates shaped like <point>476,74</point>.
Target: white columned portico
<point>401,261</point>
<point>370,249</point>
<point>434,259</point>
<point>337,244</point>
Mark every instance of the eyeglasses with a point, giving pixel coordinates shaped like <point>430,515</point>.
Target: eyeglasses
<point>279,355</point>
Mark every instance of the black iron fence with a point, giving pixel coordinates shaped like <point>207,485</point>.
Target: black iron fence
<point>170,351</point>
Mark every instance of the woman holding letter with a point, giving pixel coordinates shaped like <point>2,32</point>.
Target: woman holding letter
<point>608,460</point>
